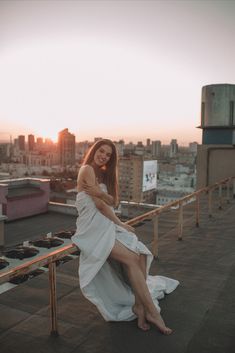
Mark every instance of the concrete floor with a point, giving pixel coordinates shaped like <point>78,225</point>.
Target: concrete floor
<point>201,310</point>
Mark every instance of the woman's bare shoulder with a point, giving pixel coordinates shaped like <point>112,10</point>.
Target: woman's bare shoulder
<point>86,169</point>
<point>86,174</point>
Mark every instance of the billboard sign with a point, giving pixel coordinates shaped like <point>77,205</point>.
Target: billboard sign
<point>149,175</point>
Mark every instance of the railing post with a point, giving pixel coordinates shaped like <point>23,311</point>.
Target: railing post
<point>197,209</point>
<point>155,236</point>
<point>53,299</point>
<point>2,232</point>
<point>180,224</point>
<point>228,193</point>
<point>220,196</point>
<point>210,203</point>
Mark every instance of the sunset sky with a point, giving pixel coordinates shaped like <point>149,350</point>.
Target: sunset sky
<point>117,69</point>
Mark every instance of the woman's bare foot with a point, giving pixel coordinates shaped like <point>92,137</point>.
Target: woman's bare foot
<point>138,310</point>
<point>157,320</point>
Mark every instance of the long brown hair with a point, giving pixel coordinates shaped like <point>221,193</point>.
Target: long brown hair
<point>110,173</point>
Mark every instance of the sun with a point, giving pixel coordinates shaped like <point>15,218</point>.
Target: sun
<point>52,137</point>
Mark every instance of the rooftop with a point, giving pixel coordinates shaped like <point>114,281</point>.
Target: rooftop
<point>201,310</point>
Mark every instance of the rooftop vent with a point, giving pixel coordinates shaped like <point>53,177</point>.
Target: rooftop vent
<point>65,234</point>
<point>48,243</point>
<point>3,264</point>
<point>21,252</point>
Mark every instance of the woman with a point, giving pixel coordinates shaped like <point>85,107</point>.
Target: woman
<point>114,265</point>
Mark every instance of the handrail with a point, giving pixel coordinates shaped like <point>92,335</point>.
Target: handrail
<point>180,203</point>
<point>167,206</point>
<point>30,265</point>
<point>39,261</point>
<point>51,258</point>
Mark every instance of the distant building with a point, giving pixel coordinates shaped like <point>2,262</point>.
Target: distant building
<point>81,150</point>
<point>173,148</point>
<point>97,139</point>
<point>131,180</point>
<point>66,148</point>
<point>216,154</point>
<point>48,143</point>
<point>5,152</point>
<point>21,142</point>
<point>48,159</point>
<point>193,147</point>
<point>148,146</point>
<point>139,148</point>
<point>39,144</point>
<point>31,142</point>
<point>166,196</point>
<point>129,148</point>
<point>120,147</point>
<point>156,148</point>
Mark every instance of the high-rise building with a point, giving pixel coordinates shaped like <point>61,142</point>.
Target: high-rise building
<point>21,142</point>
<point>31,142</point>
<point>156,148</point>
<point>216,154</point>
<point>131,170</point>
<point>130,178</point>
<point>66,148</point>
<point>39,143</point>
<point>173,148</point>
<point>148,145</point>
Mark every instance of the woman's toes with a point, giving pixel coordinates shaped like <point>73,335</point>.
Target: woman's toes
<point>167,331</point>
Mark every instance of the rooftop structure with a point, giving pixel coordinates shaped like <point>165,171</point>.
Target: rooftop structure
<point>216,154</point>
<point>24,197</point>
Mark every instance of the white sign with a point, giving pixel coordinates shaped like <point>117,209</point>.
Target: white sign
<point>149,175</point>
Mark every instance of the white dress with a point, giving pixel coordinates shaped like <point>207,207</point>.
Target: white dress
<point>102,281</point>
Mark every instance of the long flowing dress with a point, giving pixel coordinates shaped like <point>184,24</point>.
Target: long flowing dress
<point>103,281</point>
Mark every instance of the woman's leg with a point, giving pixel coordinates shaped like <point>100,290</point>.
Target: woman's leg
<point>143,260</point>
<point>138,307</point>
<point>131,260</point>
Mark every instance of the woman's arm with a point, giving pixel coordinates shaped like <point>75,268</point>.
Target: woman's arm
<point>95,190</point>
<point>109,213</point>
<point>87,176</point>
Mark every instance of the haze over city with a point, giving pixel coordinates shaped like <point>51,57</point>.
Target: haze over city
<point>117,69</point>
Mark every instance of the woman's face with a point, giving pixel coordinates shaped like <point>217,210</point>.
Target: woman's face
<point>102,155</point>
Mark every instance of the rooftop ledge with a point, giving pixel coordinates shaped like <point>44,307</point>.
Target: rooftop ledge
<point>62,208</point>
<point>19,182</point>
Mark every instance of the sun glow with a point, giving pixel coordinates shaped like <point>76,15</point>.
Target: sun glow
<point>53,138</point>
<point>48,131</point>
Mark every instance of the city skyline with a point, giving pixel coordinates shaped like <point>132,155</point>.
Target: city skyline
<point>42,139</point>
<point>127,70</point>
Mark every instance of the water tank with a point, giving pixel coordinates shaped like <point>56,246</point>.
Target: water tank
<point>217,114</point>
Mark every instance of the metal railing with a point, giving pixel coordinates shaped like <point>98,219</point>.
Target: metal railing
<point>31,265</point>
<point>51,258</point>
<point>154,215</point>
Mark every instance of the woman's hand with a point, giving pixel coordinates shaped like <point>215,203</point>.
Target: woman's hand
<point>92,190</point>
<point>127,227</point>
